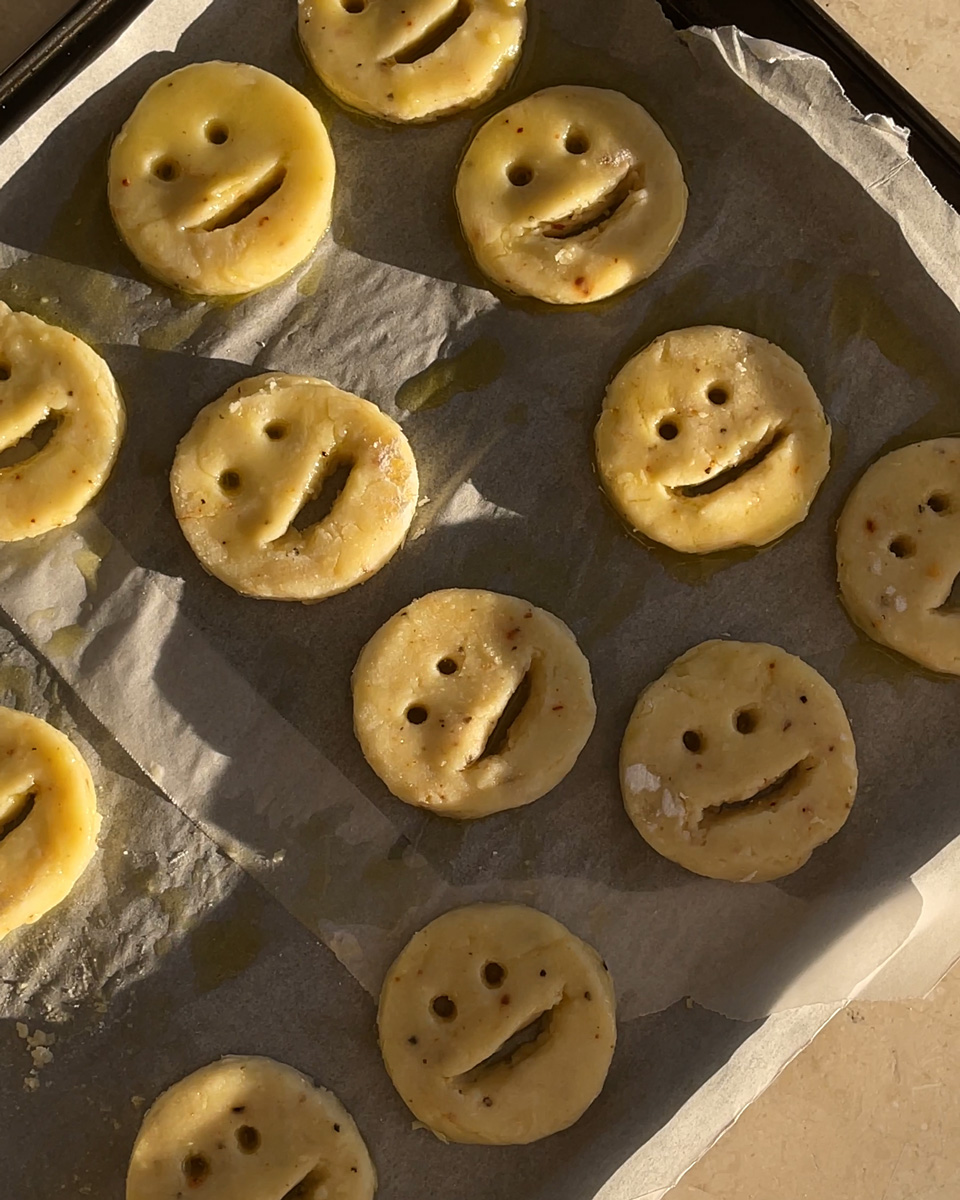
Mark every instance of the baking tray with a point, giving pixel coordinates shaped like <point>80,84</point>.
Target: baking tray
<point>213,1014</point>
<point>92,24</point>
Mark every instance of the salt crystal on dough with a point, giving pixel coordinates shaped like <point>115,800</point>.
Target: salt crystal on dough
<point>639,779</point>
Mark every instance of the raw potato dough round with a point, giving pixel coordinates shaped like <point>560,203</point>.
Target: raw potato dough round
<point>48,818</point>
<point>412,60</point>
<point>255,457</point>
<point>469,702</point>
<point>461,989</point>
<point>249,1129</point>
<point>738,762</point>
<point>898,552</point>
<point>571,195</point>
<point>712,438</point>
<point>221,180</point>
<point>48,375</point>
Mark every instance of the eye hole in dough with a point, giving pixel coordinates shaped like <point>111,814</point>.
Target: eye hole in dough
<point>494,974</point>
<point>898,553</point>
<point>746,720</point>
<point>570,195</point>
<point>288,488</point>
<point>738,762</point>
<point>61,423</point>
<point>221,180</point>
<point>248,1139</point>
<point>249,1128</point>
<point>166,170</point>
<point>903,547</point>
<point>412,60</point>
<point>444,1008</point>
<point>196,1168</point>
<point>711,438</point>
<point>48,818</point>
<point>216,132</point>
<point>527,1037</point>
<point>469,702</point>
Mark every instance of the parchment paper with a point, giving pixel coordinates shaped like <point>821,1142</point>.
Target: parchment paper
<point>238,711</point>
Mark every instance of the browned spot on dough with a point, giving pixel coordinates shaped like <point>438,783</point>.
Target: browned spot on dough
<point>871,525</point>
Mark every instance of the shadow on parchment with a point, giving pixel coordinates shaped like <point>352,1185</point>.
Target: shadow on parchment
<point>622,601</point>
<point>631,618</point>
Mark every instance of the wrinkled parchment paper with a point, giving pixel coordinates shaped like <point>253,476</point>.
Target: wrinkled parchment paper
<point>238,711</point>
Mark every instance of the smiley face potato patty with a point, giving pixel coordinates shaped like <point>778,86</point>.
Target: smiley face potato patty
<point>712,438</point>
<point>412,60</point>
<point>454,1003</point>
<point>221,181</point>
<point>898,552</point>
<point>50,377</point>
<point>738,762</point>
<point>251,462</point>
<point>571,195</point>
<point>249,1128</point>
<point>468,702</point>
<point>48,818</point>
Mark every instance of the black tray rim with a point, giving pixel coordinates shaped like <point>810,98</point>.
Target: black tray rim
<point>91,25</point>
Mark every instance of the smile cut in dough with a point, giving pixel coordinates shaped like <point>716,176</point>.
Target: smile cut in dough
<point>571,195</point>
<point>412,60</point>
<point>712,438</point>
<point>48,818</point>
<point>898,553</point>
<point>469,702</point>
<point>253,460</point>
<point>497,1025</point>
<point>249,1128</point>
<point>738,762</point>
<point>61,422</point>
<point>221,181</point>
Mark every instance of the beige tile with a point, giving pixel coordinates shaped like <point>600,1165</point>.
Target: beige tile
<point>870,1111</point>
<point>918,41</point>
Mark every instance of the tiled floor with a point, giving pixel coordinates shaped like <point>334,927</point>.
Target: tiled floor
<point>918,41</point>
<point>871,1110</point>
